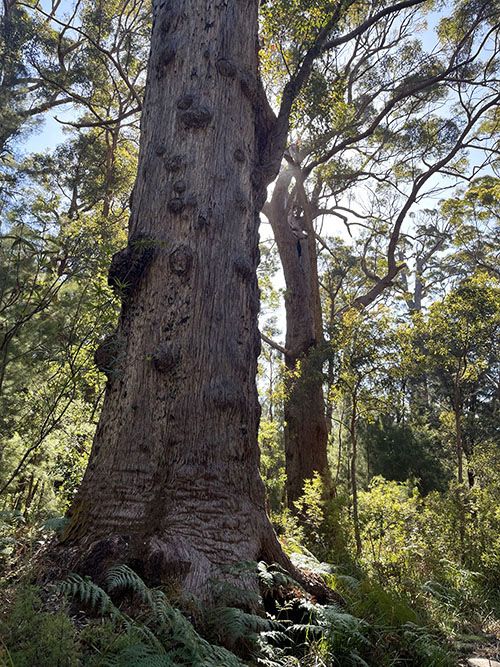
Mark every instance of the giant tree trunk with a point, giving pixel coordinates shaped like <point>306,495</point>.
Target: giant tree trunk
<point>306,429</point>
<point>172,484</point>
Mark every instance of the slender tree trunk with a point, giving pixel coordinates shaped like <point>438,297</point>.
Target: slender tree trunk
<point>354,472</point>
<point>271,388</point>
<point>4,350</point>
<point>10,124</point>
<point>468,443</point>
<point>306,428</point>
<point>111,146</point>
<point>418,288</point>
<point>459,447</point>
<point>172,484</point>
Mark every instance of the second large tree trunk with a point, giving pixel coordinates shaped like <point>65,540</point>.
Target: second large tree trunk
<point>172,485</point>
<point>306,429</point>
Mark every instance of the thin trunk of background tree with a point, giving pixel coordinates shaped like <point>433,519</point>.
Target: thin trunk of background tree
<point>354,471</point>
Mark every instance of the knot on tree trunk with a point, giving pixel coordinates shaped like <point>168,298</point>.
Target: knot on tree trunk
<point>165,57</point>
<point>196,118</point>
<point>129,264</point>
<point>165,357</point>
<point>241,200</point>
<point>173,163</point>
<point>226,67</point>
<point>243,266</point>
<point>107,354</point>
<point>239,155</point>
<point>181,260</point>
<point>185,102</point>
<point>226,394</point>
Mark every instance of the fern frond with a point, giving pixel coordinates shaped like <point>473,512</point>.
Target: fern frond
<point>227,593</point>
<point>122,576</point>
<point>144,634</point>
<point>273,577</point>
<point>306,561</point>
<point>217,656</point>
<point>343,628</point>
<point>269,655</point>
<point>85,590</point>
<point>241,567</point>
<point>139,655</point>
<point>56,523</point>
<point>161,611</point>
<point>306,630</point>
<point>278,636</point>
<point>236,624</point>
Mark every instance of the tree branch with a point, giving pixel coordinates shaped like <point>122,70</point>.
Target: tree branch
<point>274,344</point>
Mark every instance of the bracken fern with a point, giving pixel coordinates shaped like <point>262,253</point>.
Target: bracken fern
<point>85,590</point>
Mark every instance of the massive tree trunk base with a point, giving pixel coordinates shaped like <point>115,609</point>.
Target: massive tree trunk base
<point>189,562</point>
<point>182,566</point>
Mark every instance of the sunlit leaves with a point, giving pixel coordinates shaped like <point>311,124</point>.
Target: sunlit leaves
<point>295,22</point>
<point>456,28</point>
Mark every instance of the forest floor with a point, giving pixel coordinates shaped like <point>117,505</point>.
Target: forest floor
<point>480,654</point>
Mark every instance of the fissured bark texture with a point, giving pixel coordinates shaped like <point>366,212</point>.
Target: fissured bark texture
<point>306,429</point>
<point>172,484</point>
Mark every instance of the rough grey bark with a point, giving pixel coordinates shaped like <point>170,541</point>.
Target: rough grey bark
<point>172,484</point>
<point>306,429</point>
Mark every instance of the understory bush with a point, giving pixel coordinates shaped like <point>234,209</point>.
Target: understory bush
<point>126,623</point>
<point>439,553</point>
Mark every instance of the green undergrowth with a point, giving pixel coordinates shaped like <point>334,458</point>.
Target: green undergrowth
<point>414,597</point>
<point>412,554</point>
<point>125,623</point>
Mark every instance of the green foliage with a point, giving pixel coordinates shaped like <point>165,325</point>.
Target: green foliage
<point>405,451</point>
<point>153,632</point>
<point>63,214</point>
<point>56,523</point>
<point>456,352</point>
<point>86,591</point>
<point>33,636</point>
<point>122,576</point>
<point>10,523</point>
<point>323,522</point>
<point>473,216</point>
<point>272,461</point>
<point>158,634</point>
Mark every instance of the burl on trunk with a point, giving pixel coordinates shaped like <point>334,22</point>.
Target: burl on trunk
<point>173,484</point>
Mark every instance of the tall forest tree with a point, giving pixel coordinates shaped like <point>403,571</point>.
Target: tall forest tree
<point>370,126</point>
<point>172,482</point>
<point>459,338</point>
<point>63,214</point>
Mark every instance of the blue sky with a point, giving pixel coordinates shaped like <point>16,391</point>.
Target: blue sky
<point>50,133</point>
<point>45,137</point>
